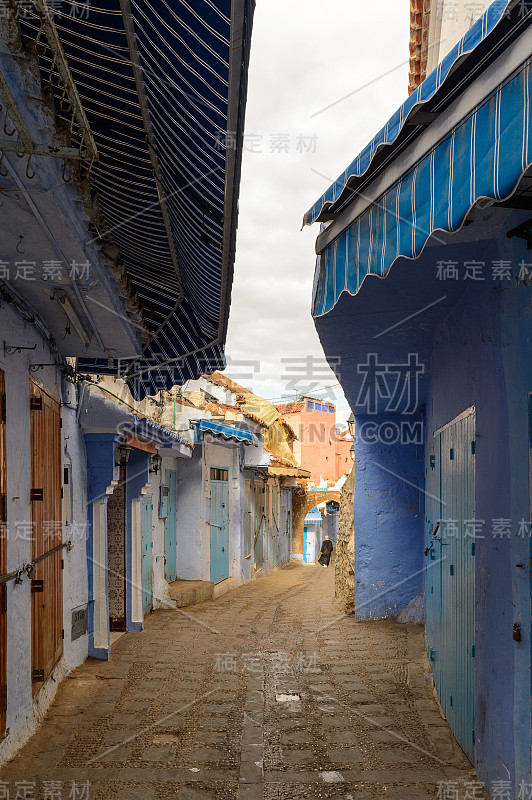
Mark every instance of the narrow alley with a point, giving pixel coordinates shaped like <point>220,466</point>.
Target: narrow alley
<point>267,692</point>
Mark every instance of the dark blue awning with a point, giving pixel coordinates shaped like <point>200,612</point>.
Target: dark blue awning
<point>162,84</point>
<point>432,185</point>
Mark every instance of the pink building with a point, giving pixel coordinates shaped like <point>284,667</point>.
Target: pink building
<point>321,447</point>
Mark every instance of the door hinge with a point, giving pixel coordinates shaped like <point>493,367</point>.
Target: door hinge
<point>451,454</point>
<point>4,698</point>
<point>473,448</point>
<point>473,549</point>
<point>3,508</point>
<point>62,633</point>
<point>37,585</point>
<point>37,494</point>
<point>473,651</point>
<point>35,403</point>
<point>60,422</point>
<point>37,675</point>
<point>451,569</point>
<point>62,563</point>
<point>62,496</point>
<point>474,737</point>
<point>3,409</point>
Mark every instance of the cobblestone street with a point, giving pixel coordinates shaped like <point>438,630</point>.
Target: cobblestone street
<point>267,692</point>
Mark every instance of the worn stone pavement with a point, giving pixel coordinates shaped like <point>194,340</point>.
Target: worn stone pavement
<point>191,709</point>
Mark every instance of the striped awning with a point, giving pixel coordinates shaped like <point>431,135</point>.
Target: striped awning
<point>228,432</point>
<point>163,85</point>
<point>314,517</point>
<point>481,158</point>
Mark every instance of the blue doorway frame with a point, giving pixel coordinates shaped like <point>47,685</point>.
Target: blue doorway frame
<point>146,508</point>
<point>170,526</point>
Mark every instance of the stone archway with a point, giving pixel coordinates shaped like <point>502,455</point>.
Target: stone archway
<point>303,502</point>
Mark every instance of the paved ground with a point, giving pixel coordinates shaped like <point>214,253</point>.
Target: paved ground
<point>267,693</point>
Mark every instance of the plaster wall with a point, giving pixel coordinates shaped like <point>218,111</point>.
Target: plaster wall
<point>190,517</point>
<point>388,520</point>
<point>491,329</point>
<point>23,713</point>
<point>449,22</point>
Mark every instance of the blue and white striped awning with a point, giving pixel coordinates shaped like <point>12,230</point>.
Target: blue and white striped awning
<point>228,432</point>
<point>154,79</point>
<point>314,517</point>
<point>483,156</point>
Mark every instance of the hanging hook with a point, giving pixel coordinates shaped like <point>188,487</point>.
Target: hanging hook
<point>40,51</point>
<point>7,133</point>
<point>65,165</point>
<point>51,73</point>
<point>31,177</point>
<point>65,102</point>
<point>88,173</point>
<point>2,173</point>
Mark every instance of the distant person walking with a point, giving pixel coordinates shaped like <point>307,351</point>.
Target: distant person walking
<point>326,552</point>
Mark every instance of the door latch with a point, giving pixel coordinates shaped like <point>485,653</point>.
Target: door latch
<point>517,632</point>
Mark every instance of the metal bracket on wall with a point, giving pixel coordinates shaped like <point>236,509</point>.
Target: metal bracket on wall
<point>23,143</point>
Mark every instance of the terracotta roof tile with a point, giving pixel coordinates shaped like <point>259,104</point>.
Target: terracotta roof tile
<point>291,408</point>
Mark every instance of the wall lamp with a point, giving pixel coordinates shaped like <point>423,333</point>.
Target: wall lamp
<point>351,425</point>
<point>123,451</point>
<point>156,462</point>
<point>352,452</point>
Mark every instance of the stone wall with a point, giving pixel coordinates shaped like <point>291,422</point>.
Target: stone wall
<point>345,547</point>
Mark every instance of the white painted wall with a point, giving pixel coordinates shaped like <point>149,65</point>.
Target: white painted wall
<point>22,712</point>
<point>189,516</point>
<point>449,22</point>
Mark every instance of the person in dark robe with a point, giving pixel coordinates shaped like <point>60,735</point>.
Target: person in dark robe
<point>326,552</point>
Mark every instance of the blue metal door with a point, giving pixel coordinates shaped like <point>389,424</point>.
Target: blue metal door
<point>450,573</point>
<point>219,520</point>
<point>170,525</point>
<point>146,508</point>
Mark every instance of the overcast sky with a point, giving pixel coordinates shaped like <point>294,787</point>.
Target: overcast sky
<point>305,56</point>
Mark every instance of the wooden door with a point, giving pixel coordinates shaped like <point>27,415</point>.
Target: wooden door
<point>450,580</point>
<point>3,557</point>
<point>46,518</point>
<point>116,553</point>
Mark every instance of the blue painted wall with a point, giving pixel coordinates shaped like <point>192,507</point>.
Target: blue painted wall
<point>100,449</point>
<point>490,329</point>
<point>474,340</point>
<point>389,528</point>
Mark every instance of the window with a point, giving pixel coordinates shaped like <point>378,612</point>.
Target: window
<point>331,409</point>
<point>218,474</point>
<point>317,406</point>
<point>311,406</point>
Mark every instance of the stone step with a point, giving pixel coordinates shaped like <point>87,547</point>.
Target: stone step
<point>189,593</point>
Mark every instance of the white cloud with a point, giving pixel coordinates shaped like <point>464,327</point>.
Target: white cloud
<point>305,55</point>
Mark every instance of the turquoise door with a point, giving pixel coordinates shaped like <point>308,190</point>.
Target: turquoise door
<point>450,574</point>
<point>219,522</point>
<point>170,525</point>
<point>146,508</point>
<point>308,548</point>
